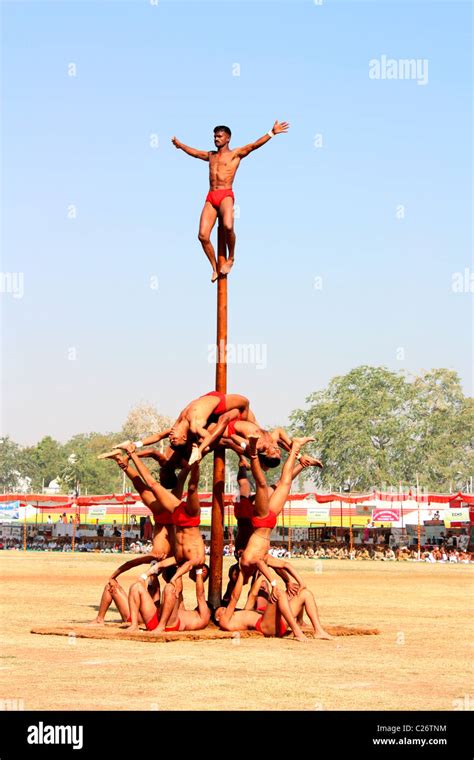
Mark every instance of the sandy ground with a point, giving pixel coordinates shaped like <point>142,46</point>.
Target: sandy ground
<point>420,660</point>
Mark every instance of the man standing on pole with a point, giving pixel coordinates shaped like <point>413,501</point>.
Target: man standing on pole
<point>223,165</point>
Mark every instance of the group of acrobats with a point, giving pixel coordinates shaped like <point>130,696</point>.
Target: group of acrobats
<point>178,547</point>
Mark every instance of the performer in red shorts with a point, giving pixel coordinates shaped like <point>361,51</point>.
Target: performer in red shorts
<point>300,602</point>
<point>193,420</point>
<point>268,503</point>
<point>174,616</point>
<point>273,621</point>
<point>223,165</point>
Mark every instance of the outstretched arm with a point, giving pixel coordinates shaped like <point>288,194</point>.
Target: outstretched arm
<point>202,154</point>
<point>278,563</point>
<point>235,596</point>
<point>132,563</point>
<point>203,609</point>
<point>156,437</point>
<point>183,569</point>
<point>253,593</point>
<point>265,570</point>
<point>152,454</point>
<point>157,566</point>
<point>278,128</point>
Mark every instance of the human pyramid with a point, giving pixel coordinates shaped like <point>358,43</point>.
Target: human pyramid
<point>214,420</point>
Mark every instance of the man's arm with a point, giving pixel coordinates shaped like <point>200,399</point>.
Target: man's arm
<point>151,454</point>
<point>182,570</point>
<point>253,593</point>
<point>156,437</point>
<point>132,563</point>
<point>292,587</point>
<point>179,487</point>
<point>231,443</point>
<point>278,128</point>
<point>235,596</point>
<point>203,609</point>
<point>278,563</point>
<point>265,570</point>
<point>202,154</point>
<point>155,569</point>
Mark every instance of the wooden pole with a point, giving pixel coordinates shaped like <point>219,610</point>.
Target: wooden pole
<point>218,480</point>
<point>73,542</point>
<point>419,525</point>
<point>289,526</point>
<point>24,532</point>
<point>351,535</point>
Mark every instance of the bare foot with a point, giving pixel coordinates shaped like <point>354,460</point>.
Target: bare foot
<point>122,444</point>
<point>109,454</point>
<point>195,456</point>
<point>253,440</point>
<point>297,443</point>
<point>214,275</point>
<point>310,462</point>
<point>227,266</point>
<point>95,622</point>
<point>323,635</point>
<point>129,628</point>
<point>301,639</point>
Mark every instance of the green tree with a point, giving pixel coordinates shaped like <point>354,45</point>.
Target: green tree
<point>43,462</point>
<point>442,421</point>
<point>10,464</point>
<point>376,428</point>
<point>82,467</point>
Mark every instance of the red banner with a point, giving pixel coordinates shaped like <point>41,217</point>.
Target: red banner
<point>57,501</point>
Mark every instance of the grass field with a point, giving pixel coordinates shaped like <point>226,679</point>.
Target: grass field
<point>420,660</point>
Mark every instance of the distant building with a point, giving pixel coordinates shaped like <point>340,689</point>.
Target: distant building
<point>53,487</point>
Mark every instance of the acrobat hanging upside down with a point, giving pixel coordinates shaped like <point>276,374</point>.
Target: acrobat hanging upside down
<point>223,165</point>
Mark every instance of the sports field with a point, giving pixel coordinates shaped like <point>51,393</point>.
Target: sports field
<point>420,660</point>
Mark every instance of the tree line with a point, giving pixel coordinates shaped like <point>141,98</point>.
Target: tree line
<point>374,428</point>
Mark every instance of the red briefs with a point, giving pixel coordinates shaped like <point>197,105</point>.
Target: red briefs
<point>174,627</point>
<point>265,522</point>
<point>243,509</point>
<point>281,632</point>
<point>231,426</point>
<point>164,518</point>
<point>215,197</point>
<point>153,622</point>
<point>182,520</point>
<point>220,408</point>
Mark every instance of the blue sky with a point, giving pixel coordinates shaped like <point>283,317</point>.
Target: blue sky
<point>89,337</point>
